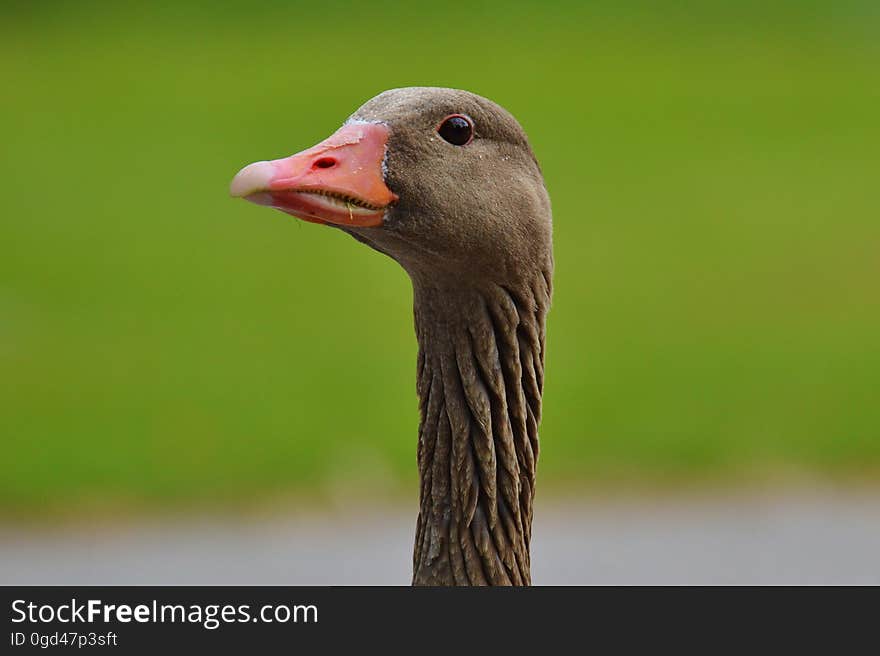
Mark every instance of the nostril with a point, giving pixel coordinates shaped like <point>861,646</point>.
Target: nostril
<point>324,163</point>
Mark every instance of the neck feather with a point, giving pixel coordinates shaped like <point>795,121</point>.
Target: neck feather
<point>480,380</point>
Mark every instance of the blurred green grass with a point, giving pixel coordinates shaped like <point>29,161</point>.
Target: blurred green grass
<point>714,174</point>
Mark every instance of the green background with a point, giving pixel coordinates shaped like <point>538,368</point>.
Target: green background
<point>714,174</point>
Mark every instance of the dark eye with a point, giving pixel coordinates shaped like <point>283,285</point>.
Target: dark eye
<point>456,129</point>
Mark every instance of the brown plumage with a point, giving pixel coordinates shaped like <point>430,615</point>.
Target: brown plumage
<point>471,225</point>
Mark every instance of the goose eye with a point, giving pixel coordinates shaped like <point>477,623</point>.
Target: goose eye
<point>456,129</point>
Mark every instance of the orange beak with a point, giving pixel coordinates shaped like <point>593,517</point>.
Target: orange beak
<point>339,181</point>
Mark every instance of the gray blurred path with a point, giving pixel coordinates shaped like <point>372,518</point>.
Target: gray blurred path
<point>816,537</point>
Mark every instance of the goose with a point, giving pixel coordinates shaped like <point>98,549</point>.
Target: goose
<point>445,182</point>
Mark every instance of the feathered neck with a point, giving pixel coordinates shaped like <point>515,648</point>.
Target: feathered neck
<point>480,380</point>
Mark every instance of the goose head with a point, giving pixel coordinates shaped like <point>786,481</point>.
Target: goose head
<point>442,180</point>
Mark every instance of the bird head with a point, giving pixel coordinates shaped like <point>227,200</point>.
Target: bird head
<point>442,180</point>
